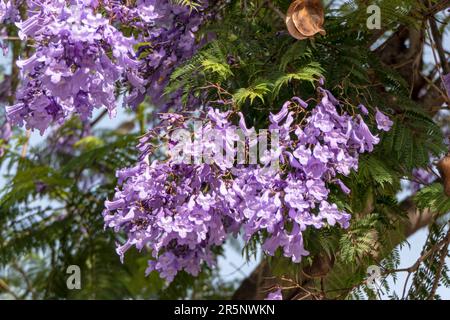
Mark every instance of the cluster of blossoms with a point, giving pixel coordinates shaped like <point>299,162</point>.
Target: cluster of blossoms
<point>7,11</point>
<point>80,56</point>
<point>8,15</point>
<point>166,39</point>
<point>183,210</point>
<point>78,59</point>
<point>276,295</point>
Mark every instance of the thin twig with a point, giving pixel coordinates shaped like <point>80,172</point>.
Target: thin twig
<point>437,40</point>
<point>272,7</point>
<point>442,257</point>
<point>27,280</point>
<point>25,145</point>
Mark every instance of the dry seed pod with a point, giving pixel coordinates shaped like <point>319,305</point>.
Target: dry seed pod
<point>444,169</point>
<point>305,18</point>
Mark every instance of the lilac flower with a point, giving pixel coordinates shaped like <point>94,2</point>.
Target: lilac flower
<point>276,295</point>
<point>322,121</point>
<point>78,60</point>
<point>316,188</point>
<point>303,154</point>
<point>446,83</point>
<point>343,187</point>
<point>168,36</point>
<point>9,14</point>
<point>9,11</point>
<point>332,214</point>
<point>383,122</point>
<point>294,246</point>
<point>363,109</point>
<point>277,239</point>
<point>294,196</point>
<point>277,118</point>
<point>300,102</point>
<point>322,153</point>
<point>363,137</point>
<point>315,168</point>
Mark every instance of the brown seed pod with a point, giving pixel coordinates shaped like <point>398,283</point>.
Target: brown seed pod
<point>444,170</point>
<point>305,18</point>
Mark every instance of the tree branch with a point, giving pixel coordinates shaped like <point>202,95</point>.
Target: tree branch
<point>443,255</point>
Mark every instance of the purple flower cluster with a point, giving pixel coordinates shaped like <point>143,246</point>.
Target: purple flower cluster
<point>421,177</point>
<point>9,14</point>
<point>168,38</point>
<point>79,57</point>
<point>182,211</point>
<point>176,209</point>
<point>8,11</point>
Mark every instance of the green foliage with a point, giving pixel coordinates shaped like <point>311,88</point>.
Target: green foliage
<point>312,72</point>
<point>358,242</point>
<point>394,12</point>
<point>374,170</point>
<point>433,271</point>
<point>257,91</point>
<point>208,63</point>
<point>432,197</point>
<point>192,4</point>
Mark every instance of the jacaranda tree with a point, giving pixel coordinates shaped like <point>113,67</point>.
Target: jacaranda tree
<point>314,133</point>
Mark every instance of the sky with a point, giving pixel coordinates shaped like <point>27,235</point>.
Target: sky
<point>233,266</point>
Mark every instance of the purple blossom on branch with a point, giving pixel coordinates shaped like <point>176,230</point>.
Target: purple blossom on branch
<point>383,121</point>
<point>79,57</point>
<point>276,295</point>
<point>182,211</point>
